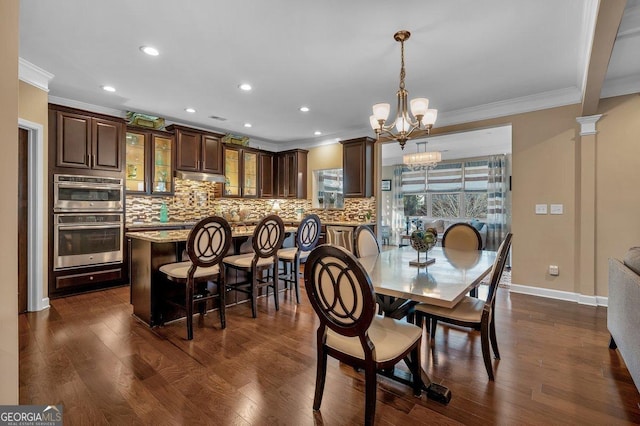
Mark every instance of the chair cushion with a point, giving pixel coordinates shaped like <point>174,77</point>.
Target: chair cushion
<point>390,337</point>
<point>244,260</point>
<point>180,270</point>
<point>288,253</point>
<point>468,309</point>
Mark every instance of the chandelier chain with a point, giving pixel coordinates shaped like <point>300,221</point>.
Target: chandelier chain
<point>402,73</point>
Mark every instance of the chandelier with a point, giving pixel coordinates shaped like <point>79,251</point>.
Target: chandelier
<point>406,127</point>
<point>429,159</point>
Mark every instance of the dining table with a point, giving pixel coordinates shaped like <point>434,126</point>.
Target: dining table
<point>448,276</point>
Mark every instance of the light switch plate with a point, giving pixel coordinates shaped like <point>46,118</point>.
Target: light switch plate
<point>557,208</point>
<point>541,209</point>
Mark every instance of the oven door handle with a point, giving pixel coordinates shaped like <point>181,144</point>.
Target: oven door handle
<point>85,227</point>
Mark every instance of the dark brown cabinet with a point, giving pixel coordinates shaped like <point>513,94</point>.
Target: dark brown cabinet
<point>357,164</point>
<point>292,174</point>
<point>197,151</point>
<point>241,172</point>
<point>267,175</point>
<point>84,140</point>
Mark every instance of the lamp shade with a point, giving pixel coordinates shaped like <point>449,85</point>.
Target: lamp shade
<point>432,157</point>
<point>381,111</point>
<point>419,106</point>
<point>374,122</point>
<point>402,124</point>
<point>430,117</point>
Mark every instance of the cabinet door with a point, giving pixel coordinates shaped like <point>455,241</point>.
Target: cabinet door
<point>249,174</point>
<point>291,165</point>
<point>161,182</point>
<point>211,154</point>
<point>188,151</point>
<point>283,176</point>
<point>266,175</point>
<point>358,167</point>
<point>106,146</point>
<point>73,140</point>
<point>232,172</point>
<point>136,160</point>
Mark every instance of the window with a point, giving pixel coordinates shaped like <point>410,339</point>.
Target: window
<point>456,189</point>
<point>327,185</point>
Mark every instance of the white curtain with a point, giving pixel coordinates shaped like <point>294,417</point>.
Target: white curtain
<point>397,213</point>
<point>497,205</point>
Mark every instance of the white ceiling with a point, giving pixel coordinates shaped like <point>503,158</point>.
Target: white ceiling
<point>473,59</point>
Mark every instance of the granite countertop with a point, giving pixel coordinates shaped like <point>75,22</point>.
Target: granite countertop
<point>142,225</point>
<point>135,226</point>
<point>178,235</point>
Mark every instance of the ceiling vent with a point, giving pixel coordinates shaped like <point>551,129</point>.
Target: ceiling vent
<point>215,117</point>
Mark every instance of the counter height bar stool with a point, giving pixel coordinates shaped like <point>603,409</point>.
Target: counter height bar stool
<point>472,312</point>
<point>207,244</point>
<point>267,240</point>
<point>291,257</point>
<point>342,296</point>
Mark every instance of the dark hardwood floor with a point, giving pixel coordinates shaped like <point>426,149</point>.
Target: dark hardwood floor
<point>89,354</point>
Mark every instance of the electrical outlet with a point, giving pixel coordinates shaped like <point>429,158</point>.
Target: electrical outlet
<point>553,270</point>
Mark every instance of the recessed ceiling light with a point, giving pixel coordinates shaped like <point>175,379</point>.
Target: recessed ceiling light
<point>151,51</point>
<point>108,88</point>
<point>317,133</point>
<point>247,124</point>
<point>191,110</point>
<point>245,86</point>
<point>304,109</point>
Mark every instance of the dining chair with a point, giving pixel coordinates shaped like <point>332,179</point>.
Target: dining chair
<point>462,236</point>
<point>207,244</point>
<point>472,312</point>
<point>340,236</point>
<point>266,240</point>
<point>306,238</point>
<point>341,294</point>
<point>365,242</point>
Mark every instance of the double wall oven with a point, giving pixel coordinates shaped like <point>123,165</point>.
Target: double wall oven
<point>88,225</point>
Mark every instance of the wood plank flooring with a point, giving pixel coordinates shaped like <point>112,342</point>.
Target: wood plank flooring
<point>89,354</point>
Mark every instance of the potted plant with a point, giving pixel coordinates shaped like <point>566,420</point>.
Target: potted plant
<point>320,202</point>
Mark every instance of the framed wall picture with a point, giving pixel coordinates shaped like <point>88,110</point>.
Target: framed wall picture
<point>386,184</point>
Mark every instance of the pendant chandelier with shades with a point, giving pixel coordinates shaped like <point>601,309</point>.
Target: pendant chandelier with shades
<point>406,126</point>
<point>426,158</point>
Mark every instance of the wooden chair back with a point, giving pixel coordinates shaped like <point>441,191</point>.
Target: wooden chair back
<point>498,269</point>
<point>366,243</point>
<point>462,236</point>
<point>268,236</point>
<point>340,291</point>
<point>208,243</point>
<point>308,233</point>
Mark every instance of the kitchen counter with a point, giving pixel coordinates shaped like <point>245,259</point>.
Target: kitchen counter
<point>141,226</point>
<point>180,235</point>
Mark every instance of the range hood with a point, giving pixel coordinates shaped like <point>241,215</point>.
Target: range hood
<point>202,177</point>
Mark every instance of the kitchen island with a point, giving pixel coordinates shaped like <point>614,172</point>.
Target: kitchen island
<point>149,250</point>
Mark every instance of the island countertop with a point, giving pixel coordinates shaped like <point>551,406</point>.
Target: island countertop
<point>179,235</point>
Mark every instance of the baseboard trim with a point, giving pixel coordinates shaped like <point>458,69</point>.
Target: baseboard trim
<point>560,295</point>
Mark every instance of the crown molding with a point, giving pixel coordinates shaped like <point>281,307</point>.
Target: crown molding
<point>87,107</point>
<point>630,25</point>
<point>620,86</point>
<point>536,102</point>
<point>34,75</point>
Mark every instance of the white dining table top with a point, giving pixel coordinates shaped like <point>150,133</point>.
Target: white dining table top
<point>443,283</point>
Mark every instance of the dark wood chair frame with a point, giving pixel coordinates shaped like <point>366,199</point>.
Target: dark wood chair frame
<point>256,278</point>
<point>204,256</point>
<point>359,230</point>
<point>466,225</point>
<point>318,264</point>
<point>307,237</point>
<point>486,326</point>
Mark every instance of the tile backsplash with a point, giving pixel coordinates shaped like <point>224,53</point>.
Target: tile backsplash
<point>193,200</point>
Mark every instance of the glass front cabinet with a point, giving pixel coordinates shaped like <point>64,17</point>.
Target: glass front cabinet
<point>149,162</point>
<point>241,172</point>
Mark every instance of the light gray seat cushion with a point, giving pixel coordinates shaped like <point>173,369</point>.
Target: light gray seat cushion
<point>180,270</point>
<point>244,260</point>
<point>468,309</point>
<point>289,253</point>
<point>390,337</point>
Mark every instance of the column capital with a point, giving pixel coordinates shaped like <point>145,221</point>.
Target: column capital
<point>588,124</point>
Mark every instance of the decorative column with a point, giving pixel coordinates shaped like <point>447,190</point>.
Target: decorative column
<point>586,217</point>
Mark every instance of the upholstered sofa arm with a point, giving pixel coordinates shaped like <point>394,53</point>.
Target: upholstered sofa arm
<point>623,315</point>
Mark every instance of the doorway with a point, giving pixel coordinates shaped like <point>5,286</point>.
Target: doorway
<point>23,218</point>
<point>31,217</point>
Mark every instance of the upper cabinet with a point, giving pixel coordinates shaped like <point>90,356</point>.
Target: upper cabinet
<point>267,175</point>
<point>149,155</point>
<point>84,140</point>
<point>357,163</point>
<point>241,172</point>
<point>292,174</point>
<point>197,151</point>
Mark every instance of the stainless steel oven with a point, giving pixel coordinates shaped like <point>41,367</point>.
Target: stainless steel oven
<point>76,193</point>
<point>87,239</point>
